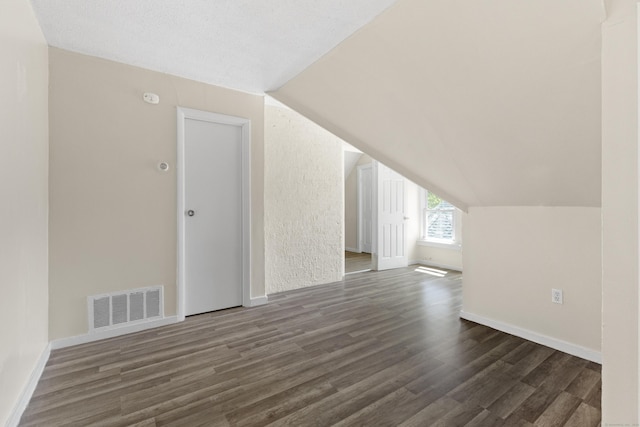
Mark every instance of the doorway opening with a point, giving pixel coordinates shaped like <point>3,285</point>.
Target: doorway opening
<point>375,217</point>
<point>356,262</point>
<point>359,259</point>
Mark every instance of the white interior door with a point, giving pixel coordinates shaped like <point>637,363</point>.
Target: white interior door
<point>391,208</point>
<point>365,207</point>
<point>213,227</point>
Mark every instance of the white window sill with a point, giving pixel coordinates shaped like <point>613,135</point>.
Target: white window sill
<point>455,246</point>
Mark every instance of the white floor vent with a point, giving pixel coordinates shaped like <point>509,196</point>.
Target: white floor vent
<point>108,311</point>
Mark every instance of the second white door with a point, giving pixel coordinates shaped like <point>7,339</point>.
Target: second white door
<point>391,205</point>
<point>213,216</point>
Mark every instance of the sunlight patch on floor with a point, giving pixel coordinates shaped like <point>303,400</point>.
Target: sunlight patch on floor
<point>431,271</point>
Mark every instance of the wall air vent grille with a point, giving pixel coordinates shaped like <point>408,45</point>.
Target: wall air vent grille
<point>108,311</point>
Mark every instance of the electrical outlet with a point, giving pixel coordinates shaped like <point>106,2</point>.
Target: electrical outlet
<point>556,296</point>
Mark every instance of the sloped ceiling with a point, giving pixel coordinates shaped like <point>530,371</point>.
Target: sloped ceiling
<point>486,102</point>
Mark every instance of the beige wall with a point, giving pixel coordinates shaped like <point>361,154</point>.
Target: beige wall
<point>113,214</point>
<point>514,256</point>
<point>441,257</point>
<point>351,204</point>
<point>413,223</point>
<point>304,202</point>
<point>23,189</point>
<point>620,381</point>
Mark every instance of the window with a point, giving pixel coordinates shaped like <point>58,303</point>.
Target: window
<point>440,221</point>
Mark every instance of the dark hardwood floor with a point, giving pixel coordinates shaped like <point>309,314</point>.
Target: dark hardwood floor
<point>378,349</point>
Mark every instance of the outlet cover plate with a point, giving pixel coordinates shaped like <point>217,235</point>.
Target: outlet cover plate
<point>556,296</point>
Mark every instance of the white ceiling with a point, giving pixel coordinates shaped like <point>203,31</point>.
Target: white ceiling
<point>485,102</point>
<point>248,45</point>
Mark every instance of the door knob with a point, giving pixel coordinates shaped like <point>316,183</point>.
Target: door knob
<point>191,213</point>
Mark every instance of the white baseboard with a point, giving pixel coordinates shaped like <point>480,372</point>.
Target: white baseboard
<point>25,397</point>
<point>100,335</point>
<point>27,392</point>
<point>438,265</point>
<point>356,272</point>
<point>259,301</point>
<point>566,347</point>
<point>353,250</point>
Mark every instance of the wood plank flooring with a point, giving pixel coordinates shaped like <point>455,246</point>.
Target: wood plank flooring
<point>355,262</point>
<point>377,349</point>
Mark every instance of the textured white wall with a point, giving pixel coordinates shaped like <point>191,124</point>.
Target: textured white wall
<point>24,194</point>
<point>514,256</point>
<point>304,202</point>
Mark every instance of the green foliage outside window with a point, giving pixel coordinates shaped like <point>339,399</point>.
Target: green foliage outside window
<point>432,200</point>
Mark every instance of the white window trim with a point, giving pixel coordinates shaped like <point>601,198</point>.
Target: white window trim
<point>455,244</point>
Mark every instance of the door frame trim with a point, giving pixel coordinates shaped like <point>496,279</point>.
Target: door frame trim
<point>359,216</point>
<point>245,125</point>
<point>374,215</point>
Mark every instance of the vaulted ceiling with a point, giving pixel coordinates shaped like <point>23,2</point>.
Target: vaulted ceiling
<point>489,102</point>
<point>486,102</point>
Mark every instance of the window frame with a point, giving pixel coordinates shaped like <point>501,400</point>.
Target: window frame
<point>425,240</point>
